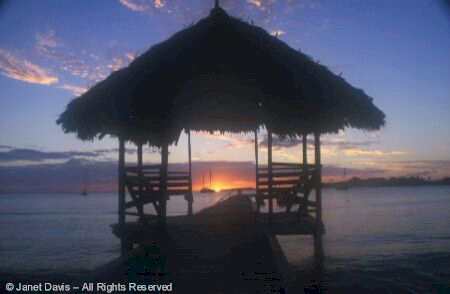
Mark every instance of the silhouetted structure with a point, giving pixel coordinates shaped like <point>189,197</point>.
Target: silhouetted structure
<point>221,74</point>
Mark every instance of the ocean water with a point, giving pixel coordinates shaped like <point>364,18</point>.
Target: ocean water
<point>379,240</point>
<point>65,234</point>
<point>389,239</point>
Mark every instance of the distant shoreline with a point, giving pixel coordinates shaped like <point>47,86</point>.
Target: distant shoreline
<point>351,183</point>
<point>390,182</point>
<point>356,182</point>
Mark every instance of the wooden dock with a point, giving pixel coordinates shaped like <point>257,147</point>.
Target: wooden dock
<point>226,248</point>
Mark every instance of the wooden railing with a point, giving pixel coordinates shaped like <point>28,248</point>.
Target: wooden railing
<point>289,183</point>
<point>145,186</point>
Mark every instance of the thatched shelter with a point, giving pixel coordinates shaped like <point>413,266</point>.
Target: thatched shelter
<point>211,76</point>
<point>221,74</point>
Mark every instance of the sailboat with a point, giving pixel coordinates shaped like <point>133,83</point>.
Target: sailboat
<point>206,189</point>
<point>84,192</point>
<point>343,186</point>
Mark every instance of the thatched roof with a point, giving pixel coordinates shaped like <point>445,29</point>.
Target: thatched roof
<point>219,74</point>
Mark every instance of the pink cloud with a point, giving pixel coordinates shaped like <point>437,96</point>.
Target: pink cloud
<point>74,89</point>
<point>135,5</point>
<point>18,68</point>
<point>257,3</point>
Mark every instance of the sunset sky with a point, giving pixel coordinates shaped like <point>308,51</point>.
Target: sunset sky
<point>397,51</point>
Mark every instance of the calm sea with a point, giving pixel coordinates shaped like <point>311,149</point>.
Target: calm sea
<point>380,240</point>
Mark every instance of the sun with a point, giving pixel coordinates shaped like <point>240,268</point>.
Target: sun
<point>219,187</point>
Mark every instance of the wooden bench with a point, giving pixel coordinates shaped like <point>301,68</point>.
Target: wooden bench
<point>289,184</point>
<point>144,187</point>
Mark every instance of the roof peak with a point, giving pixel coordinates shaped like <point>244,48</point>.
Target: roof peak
<point>217,10</point>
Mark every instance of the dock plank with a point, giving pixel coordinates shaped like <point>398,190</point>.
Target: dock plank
<point>225,248</point>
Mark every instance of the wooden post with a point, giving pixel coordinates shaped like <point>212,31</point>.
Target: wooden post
<point>121,175</point>
<point>190,196</point>
<point>139,157</point>
<point>163,183</point>
<point>318,256</point>
<point>305,171</point>
<point>318,177</point>
<point>256,172</point>
<point>270,174</point>
<point>305,148</point>
<point>140,206</point>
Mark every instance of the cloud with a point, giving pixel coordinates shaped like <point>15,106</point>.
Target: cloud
<point>143,5</point>
<point>353,148</point>
<point>130,55</point>
<point>35,155</point>
<point>235,141</point>
<point>268,10</point>
<point>74,89</point>
<point>330,147</point>
<point>255,2</point>
<point>94,72</point>
<point>12,156</point>
<point>261,11</point>
<point>21,69</point>
<point>277,32</point>
<point>345,144</point>
<point>135,5</point>
<point>278,143</point>
<point>159,3</point>
<point>69,61</point>
<point>116,63</point>
<point>356,152</point>
<point>46,44</point>
<point>79,68</point>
